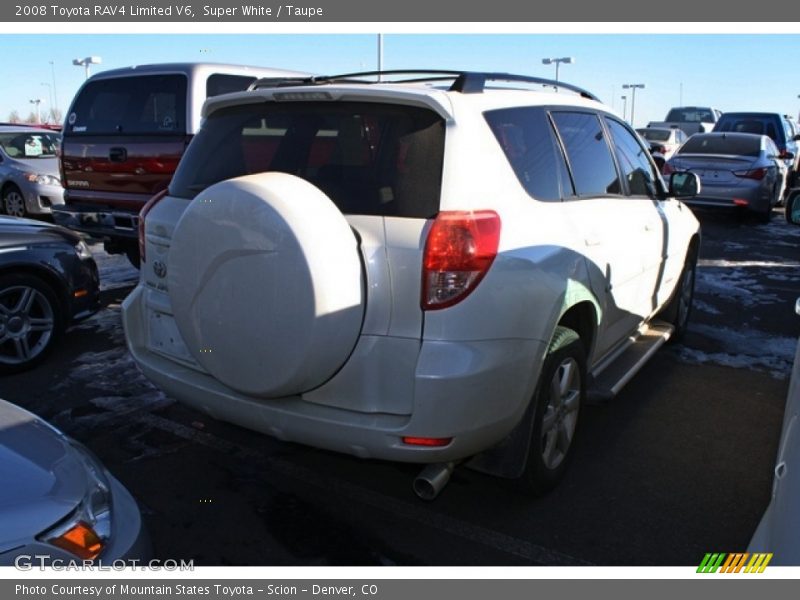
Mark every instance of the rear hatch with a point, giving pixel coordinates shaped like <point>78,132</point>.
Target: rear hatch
<point>123,139</point>
<point>241,231</point>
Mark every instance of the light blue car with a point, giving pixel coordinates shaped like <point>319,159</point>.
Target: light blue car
<point>58,504</point>
<point>29,178</point>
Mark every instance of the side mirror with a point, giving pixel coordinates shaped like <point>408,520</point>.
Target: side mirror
<point>793,207</point>
<point>683,184</point>
<point>786,155</point>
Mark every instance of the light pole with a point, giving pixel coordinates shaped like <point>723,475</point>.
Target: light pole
<point>380,56</point>
<point>567,60</point>
<point>634,87</point>
<point>85,62</point>
<point>37,102</point>
<point>55,93</point>
<point>624,106</point>
<point>49,95</point>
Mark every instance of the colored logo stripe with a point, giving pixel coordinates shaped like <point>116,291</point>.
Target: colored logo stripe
<point>733,563</point>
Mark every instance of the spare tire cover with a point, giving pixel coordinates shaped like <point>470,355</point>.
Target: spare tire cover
<point>266,286</point>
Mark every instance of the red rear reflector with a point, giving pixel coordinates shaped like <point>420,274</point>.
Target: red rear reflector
<point>740,202</point>
<point>142,214</point>
<point>460,248</point>
<point>423,441</point>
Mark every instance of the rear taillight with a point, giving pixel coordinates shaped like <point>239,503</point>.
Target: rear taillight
<point>142,214</point>
<point>460,248</point>
<point>757,174</point>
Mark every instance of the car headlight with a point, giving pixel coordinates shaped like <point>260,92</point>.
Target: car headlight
<point>86,531</point>
<point>42,179</point>
<point>82,249</point>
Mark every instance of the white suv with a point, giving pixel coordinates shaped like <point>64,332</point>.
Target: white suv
<point>414,270</point>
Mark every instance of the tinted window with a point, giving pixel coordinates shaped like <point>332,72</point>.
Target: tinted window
<point>691,115</point>
<point>30,144</point>
<point>373,159</point>
<point>634,161</point>
<point>733,145</point>
<point>526,137</point>
<point>751,123</point>
<point>654,135</point>
<point>593,169</point>
<point>218,84</point>
<point>149,104</point>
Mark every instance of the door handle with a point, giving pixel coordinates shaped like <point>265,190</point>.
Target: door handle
<point>118,155</point>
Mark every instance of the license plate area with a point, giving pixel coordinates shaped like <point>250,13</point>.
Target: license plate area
<point>165,339</point>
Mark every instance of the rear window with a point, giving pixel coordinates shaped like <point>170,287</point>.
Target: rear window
<point>654,135</point>
<point>371,159</point>
<point>732,145</point>
<point>146,104</point>
<point>759,125</point>
<point>30,144</point>
<point>691,115</point>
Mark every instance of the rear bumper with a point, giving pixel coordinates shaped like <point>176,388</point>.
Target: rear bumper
<point>99,223</point>
<point>731,197</point>
<point>473,392</point>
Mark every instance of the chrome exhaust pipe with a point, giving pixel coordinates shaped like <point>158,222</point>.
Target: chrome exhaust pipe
<point>432,480</point>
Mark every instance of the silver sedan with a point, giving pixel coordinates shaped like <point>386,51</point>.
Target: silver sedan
<point>735,170</point>
<point>57,502</point>
<point>29,178</point>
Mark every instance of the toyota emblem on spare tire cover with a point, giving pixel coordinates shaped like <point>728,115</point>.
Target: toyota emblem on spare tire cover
<point>160,269</point>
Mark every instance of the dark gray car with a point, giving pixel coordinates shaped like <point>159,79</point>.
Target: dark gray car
<point>48,279</point>
<point>736,170</point>
<point>57,502</point>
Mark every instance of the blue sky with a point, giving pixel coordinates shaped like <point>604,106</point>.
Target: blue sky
<point>730,72</point>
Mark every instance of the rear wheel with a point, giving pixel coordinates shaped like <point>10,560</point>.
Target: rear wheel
<point>14,202</point>
<point>679,308</point>
<point>30,321</point>
<point>558,399</point>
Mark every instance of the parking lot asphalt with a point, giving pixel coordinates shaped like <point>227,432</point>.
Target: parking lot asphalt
<point>678,464</point>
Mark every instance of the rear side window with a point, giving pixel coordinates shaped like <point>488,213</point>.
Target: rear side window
<point>587,149</point>
<point>527,139</point>
<point>146,104</point>
<point>731,145</point>
<point>219,83</point>
<point>369,158</point>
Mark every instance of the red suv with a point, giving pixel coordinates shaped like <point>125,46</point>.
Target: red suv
<point>124,135</point>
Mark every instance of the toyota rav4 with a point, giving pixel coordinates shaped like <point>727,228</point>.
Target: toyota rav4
<point>433,269</point>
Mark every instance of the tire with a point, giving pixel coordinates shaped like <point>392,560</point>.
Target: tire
<point>559,396</point>
<point>765,216</point>
<point>14,202</point>
<point>679,309</point>
<point>31,321</point>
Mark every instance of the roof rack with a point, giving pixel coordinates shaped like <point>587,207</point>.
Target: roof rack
<point>466,82</point>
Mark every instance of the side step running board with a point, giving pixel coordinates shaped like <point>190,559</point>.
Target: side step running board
<point>612,375</point>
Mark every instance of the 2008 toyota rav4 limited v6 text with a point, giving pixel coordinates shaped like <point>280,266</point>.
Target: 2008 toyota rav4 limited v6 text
<point>431,270</point>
